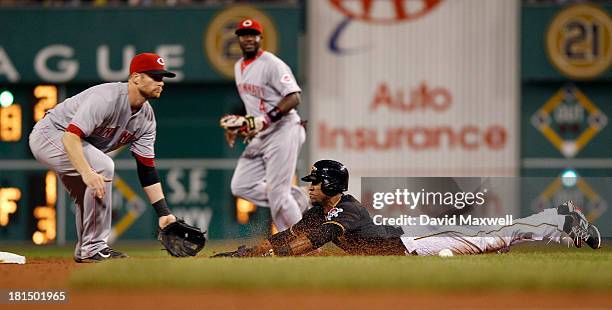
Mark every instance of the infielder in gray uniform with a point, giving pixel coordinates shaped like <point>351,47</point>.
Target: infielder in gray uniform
<point>270,94</point>
<point>72,140</point>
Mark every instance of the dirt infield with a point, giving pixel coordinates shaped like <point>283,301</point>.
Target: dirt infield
<point>38,273</point>
<point>55,273</point>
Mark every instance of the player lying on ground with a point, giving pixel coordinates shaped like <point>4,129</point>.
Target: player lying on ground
<point>73,138</point>
<point>339,218</point>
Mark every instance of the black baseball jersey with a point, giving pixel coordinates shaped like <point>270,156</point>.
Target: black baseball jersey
<point>359,235</point>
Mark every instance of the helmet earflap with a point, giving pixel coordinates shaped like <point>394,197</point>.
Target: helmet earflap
<point>332,175</point>
<point>329,188</point>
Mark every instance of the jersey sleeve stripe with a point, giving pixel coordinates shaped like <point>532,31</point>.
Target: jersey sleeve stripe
<point>336,223</point>
<point>75,130</point>
<point>149,162</point>
<point>135,151</point>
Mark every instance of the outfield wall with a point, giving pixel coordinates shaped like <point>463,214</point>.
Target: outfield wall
<point>427,89</point>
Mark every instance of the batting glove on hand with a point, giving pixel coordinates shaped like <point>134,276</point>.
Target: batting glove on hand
<point>254,124</point>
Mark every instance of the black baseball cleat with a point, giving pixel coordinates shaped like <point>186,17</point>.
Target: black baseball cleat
<point>578,227</point>
<point>104,254</point>
<point>116,254</point>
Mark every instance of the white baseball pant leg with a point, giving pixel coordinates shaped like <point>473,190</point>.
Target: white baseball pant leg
<point>546,225</point>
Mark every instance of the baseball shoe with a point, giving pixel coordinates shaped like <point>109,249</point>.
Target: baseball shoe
<point>104,254</point>
<point>578,227</point>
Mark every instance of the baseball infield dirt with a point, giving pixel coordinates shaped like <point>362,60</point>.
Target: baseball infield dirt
<point>55,273</point>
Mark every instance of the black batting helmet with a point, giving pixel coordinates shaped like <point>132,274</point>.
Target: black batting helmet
<point>332,175</point>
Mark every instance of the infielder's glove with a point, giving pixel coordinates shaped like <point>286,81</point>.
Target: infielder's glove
<point>247,126</point>
<point>181,239</point>
<point>231,124</point>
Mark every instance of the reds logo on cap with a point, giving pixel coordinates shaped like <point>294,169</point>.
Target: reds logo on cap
<point>150,63</point>
<point>249,25</point>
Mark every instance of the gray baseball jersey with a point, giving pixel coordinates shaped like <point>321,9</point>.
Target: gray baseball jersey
<point>263,82</point>
<point>102,117</point>
<point>264,171</point>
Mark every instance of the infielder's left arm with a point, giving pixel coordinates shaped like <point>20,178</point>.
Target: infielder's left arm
<point>255,124</point>
<point>250,125</point>
<point>151,184</point>
<point>283,107</point>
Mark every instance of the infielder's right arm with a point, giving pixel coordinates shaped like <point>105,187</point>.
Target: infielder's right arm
<point>90,114</point>
<point>74,149</point>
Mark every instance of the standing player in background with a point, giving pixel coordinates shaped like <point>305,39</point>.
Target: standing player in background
<point>72,140</point>
<point>270,94</point>
<point>339,218</point>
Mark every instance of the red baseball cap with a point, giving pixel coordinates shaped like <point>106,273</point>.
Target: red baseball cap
<point>150,63</point>
<point>247,26</point>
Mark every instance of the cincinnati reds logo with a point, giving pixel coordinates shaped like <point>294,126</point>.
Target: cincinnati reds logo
<point>400,11</point>
<point>334,212</point>
<point>126,137</point>
<point>286,79</point>
<point>221,44</point>
<point>161,61</point>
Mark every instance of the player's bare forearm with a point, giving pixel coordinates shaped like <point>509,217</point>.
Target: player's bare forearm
<point>156,196</point>
<point>74,149</point>
<point>289,102</point>
<point>154,192</point>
